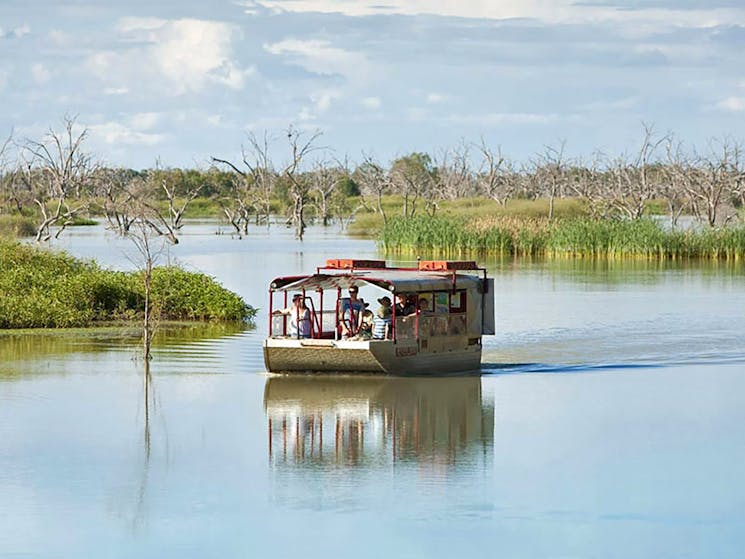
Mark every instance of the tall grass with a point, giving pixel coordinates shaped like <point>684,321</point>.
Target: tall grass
<point>44,289</point>
<point>370,224</point>
<point>456,236</point>
<point>12,226</point>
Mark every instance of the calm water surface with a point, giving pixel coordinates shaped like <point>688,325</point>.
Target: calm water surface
<point>609,421</point>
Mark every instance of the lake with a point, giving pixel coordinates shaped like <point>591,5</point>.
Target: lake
<point>608,421</point>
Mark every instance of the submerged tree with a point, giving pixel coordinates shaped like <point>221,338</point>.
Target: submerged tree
<point>252,189</point>
<point>56,172</point>
<point>300,147</point>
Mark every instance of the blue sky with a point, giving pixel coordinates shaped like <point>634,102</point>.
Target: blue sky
<point>184,80</point>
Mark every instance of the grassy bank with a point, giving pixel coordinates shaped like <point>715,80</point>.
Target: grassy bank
<point>44,289</point>
<point>458,236</point>
<point>14,226</point>
<point>370,224</point>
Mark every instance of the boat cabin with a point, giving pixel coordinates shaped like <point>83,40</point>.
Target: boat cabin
<point>361,315</point>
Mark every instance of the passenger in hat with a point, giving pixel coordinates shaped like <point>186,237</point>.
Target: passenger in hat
<point>299,317</point>
<point>383,320</point>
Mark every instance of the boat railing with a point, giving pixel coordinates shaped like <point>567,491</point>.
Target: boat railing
<point>425,325</point>
<point>280,326</point>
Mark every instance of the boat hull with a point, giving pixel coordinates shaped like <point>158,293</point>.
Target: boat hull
<point>283,355</point>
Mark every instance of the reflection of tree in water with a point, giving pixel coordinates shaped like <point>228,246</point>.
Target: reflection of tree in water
<point>371,421</point>
<point>23,353</point>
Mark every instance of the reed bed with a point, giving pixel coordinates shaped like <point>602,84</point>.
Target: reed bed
<point>459,236</point>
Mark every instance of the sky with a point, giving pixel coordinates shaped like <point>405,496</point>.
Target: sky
<point>180,81</point>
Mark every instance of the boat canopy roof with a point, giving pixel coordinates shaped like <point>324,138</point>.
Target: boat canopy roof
<point>394,280</point>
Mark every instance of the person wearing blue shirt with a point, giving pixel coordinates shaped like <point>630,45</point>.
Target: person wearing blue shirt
<point>383,319</point>
<point>350,313</point>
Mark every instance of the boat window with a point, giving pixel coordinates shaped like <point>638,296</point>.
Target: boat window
<point>458,302</point>
<point>425,302</point>
<point>442,302</point>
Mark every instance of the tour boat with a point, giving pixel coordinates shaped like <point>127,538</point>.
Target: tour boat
<point>449,307</point>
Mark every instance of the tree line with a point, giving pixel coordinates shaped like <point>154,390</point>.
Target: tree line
<point>56,180</point>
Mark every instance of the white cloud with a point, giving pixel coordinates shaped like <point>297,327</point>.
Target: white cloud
<point>40,73</point>
<point>612,104</point>
<point>321,58</point>
<point>136,24</point>
<point>181,56</point>
<point>116,133</point>
<point>434,98</point>
<point>553,11</point>
<point>734,104</point>
<point>144,121</point>
<point>19,32</point>
<point>305,114</point>
<point>59,38</point>
<point>16,32</point>
<point>372,102</point>
<point>322,99</point>
<point>491,119</point>
<point>116,90</point>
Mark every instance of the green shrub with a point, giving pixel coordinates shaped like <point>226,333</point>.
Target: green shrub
<point>45,289</point>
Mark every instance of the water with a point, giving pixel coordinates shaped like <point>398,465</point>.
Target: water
<point>609,421</point>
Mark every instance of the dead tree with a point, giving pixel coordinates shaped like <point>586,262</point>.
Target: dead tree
<point>496,176</point>
<point>711,180</point>
<point>252,191</point>
<point>738,175</point>
<point>178,201</point>
<point>676,173</point>
<point>325,179</point>
<point>374,181</point>
<point>453,174</point>
<point>149,230</point>
<point>113,187</point>
<point>300,147</point>
<point>590,182</point>
<point>550,174</point>
<point>55,171</point>
<point>634,180</point>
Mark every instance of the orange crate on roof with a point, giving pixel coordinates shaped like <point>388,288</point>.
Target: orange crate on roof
<point>349,263</point>
<point>447,265</point>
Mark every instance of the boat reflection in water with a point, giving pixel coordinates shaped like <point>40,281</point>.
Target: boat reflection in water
<point>370,422</point>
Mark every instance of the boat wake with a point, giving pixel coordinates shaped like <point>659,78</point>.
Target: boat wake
<point>494,368</point>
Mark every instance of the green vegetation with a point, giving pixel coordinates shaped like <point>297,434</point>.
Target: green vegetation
<point>44,289</point>
<point>456,236</point>
<point>16,226</point>
<point>370,224</point>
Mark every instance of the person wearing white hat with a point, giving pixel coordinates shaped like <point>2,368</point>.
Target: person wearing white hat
<point>299,317</point>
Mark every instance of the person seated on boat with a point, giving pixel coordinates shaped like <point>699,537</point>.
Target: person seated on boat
<point>299,317</point>
<point>350,309</point>
<point>404,305</point>
<point>424,305</point>
<point>365,330</point>
<point>383,319</point>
